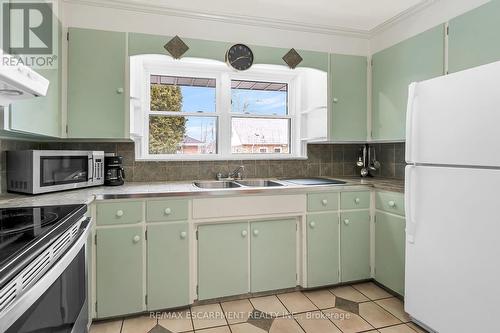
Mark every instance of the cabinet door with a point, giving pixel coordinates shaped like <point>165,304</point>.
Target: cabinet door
<point>119,271</point>
<point>222,260</point>
<point>273,255</point>
<point>349,97</point>
<point>322,249</point>
<point>390,251</point>
<point>473,37</point>
<point>168,265</point>
<point>415,59</point>
<point>96,79</point>
<point>355,245</point>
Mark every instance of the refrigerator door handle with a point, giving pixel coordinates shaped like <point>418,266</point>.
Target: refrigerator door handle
<point>410,221</point>
<point>412,89</point>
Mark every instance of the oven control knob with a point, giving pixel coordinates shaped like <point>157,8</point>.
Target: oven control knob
<point>136,239</point>
<point>119,213</point>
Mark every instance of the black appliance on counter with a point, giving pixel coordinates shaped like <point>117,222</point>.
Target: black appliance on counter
<point>43,269</point>
<point>114,175</point>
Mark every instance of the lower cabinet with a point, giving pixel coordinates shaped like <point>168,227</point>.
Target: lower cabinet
<point>273,249</point>
<point>355,245</point>
<point>222,260</point>
<point>119,271</point>
<point>167,265</point>
<point>322,249</point>
<point>390,251</point>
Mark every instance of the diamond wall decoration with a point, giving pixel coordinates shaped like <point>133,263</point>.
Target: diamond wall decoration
<point>176,47</point>
<point>292,58</point>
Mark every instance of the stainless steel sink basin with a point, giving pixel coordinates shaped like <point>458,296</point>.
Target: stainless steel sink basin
<point>258,183</point>
<point>216,184</point>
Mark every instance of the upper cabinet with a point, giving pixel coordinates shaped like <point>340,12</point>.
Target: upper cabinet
<point>348,76</point>
<point>473,37</point>
<point>96,84</point>
<point>415,59</point>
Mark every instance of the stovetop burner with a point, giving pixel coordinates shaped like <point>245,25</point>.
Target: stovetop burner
<point>20,227</point>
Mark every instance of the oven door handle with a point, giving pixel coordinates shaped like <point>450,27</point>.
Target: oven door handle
<point>21,305</point>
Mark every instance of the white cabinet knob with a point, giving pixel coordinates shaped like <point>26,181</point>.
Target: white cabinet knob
<point>312,224</point>
<point>335,100</point>
<point>346,221</point>
<point>183,235</point>
<point>244,233</point>
<point>324,202</point>
<point>119,213</point>
<point>357,200</point>
<point>168,211</point>
<point>391,203</point>
<point>256,232</point>
<point>136,239</point>
<point>119,90</point>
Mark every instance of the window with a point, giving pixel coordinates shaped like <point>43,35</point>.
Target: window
<point>198,109</point>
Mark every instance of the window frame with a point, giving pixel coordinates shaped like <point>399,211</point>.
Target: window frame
<point>201,68</point>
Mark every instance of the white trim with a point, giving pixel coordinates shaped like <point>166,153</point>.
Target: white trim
<point>282,24</point>
<point>192,67</point>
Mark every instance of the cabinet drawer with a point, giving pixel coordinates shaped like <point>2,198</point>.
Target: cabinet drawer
<point>322,201</point>
<point>355,200</point>
<point>166,210</point>
<point>128,212</point>
<point>390,202</point>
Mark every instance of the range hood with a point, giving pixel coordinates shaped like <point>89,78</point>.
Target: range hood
<point>18,82</point>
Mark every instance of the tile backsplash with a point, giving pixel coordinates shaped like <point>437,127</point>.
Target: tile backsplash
<point>335,160</point>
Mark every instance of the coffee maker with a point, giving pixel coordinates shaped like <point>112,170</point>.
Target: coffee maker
<point>114,174</point>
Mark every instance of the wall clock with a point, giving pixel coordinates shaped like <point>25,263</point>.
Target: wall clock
<point>240,57</point>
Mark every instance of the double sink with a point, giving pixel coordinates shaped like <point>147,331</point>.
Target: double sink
<point>217,184</point>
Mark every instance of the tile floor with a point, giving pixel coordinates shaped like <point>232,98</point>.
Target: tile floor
<point>348,309</point>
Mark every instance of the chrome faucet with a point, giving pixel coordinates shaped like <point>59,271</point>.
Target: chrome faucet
<point>236,174</point>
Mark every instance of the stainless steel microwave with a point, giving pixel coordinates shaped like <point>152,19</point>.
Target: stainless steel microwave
<point>42,171</point>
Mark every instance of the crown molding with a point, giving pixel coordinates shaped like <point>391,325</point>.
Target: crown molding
<point>289,25</point>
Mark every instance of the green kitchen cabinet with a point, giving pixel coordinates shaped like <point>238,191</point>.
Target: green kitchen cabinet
<point>473,37</point>
<point>273,255</point>
<point>390,251</point>
<point>96,84</point>
<point>119,267</point>
<point>415,59</point>
<point>222,260</point>
<point>322,249</point>
<point>167,265</point>
<point>355,246</point>
<point>348,76</point>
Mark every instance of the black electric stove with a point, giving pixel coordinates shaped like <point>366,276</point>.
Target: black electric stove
<point>27,231</point>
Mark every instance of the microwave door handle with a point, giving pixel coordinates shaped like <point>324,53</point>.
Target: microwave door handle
<point>91,169</point>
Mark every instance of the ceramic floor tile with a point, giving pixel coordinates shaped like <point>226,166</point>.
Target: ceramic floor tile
<point>296,302</point>
<point>176,321</point>
<point>394,306</point>
<point>285,325</point>
<point>142,324</point>
<point>349,293</point>
<point>397,329</point>
<point>106,327</point>
<point>205,316</point>
<point>371,290</point>
<point>222,329</point>
<point>316,322</point>
<point>323,299</point>
<point>416,328</point>
<point>246,328</point>
<point>270,305</point>
<point>237,311</point>
<point>376,315</point>
<point>346,321</point>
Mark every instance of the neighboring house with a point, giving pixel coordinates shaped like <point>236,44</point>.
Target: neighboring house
<point>191,146</point>
<point>251,137</point>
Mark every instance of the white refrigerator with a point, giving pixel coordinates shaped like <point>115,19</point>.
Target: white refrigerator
<point>452,199</point>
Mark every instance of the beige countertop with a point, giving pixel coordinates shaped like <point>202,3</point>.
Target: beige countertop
<point>186,188</point>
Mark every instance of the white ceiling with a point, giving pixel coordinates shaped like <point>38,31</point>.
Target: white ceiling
<point>356,15</point>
